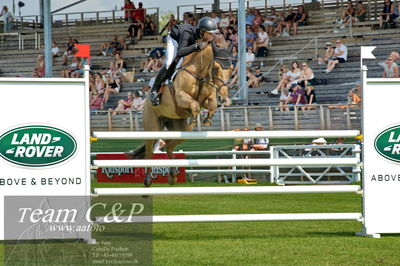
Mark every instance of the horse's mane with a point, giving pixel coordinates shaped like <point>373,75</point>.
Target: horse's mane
<point>222,55</point>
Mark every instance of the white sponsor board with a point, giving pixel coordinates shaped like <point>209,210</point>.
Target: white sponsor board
<point>381,131</point>
<point>44,138</point>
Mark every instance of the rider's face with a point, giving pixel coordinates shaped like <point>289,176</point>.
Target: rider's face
<point>208,36</point>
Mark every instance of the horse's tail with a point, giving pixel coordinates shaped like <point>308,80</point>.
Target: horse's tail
<point>137,154</point>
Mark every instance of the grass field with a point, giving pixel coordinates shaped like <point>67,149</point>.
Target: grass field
<point>250,243</point>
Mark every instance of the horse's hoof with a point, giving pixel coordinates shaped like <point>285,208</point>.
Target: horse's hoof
<point>207,122</point>
<point>148,180</point>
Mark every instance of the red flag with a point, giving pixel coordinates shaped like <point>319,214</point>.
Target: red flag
<point>83,50</point>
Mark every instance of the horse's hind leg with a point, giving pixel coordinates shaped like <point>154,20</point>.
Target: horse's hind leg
<point>175,125</point>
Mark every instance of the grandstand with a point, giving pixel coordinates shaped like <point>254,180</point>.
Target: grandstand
<point>262,107</point>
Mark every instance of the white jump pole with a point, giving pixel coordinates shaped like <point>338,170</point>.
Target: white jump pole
<point>238,217</point>
<point>142,135</point>
<point>225,162</point>
<point>157,191</point>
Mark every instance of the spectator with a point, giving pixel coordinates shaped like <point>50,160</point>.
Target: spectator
<point>250,37</point>
<point>231,35</point>
<point>232,19</point>
<point>328,53</point>
<point>171,22</point>
<point>99,83</point>
<point>252,80</point>
<point>259,75</point>
<point>294,74</point>
<point>55,51</point>
<point>129,10</point>
<point>39,70</point>
<point>136,31</point>
<point>391,69</point>
<point>297,97</point>
<point>270,21</point>
<point>258,19</point>
<point>235,56</point>
<point>260,143</point>
<point>311,99</point>
<point>108,48</point>
<point>250,17</point>
<point>261,42</point>
<point>340,56</point>
<point>149,27</point>
<point>112,87</point>
<point>250,56</point>
<point>152,65</point>
<point>353,98</point>
<point>124,105</point>
<point>299,19</point>
<point>306,76</point>
<point>70,51</point>
<point>224,23</point>
<point>361,12</point>
<point>8,18</point>
<point>388,14</point>
<point>122,46</point>
<point>215,18</point>
<point>246,143</point>
<point>72,68</point>
<point>348,12</point>
<point>284,80</point>
<point>96,102</point>
<point>138,102</point>
<point>111,70</point>
<point>120,64</point>
<point>284,99</point>
<point>79,72</point>
<point>287,22</point>
<point>139,13</point>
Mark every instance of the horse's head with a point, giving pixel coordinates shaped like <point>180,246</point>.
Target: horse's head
<point>222,71</point>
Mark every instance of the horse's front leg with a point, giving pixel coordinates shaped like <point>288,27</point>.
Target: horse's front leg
<point>186,101</point>
<point>211,106</point>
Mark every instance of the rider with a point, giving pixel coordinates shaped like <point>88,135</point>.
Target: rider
<point>181,41</point>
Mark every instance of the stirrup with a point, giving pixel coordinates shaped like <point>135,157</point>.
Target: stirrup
<point>155,98</point>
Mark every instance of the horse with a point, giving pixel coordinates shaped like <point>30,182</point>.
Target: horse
<point>183,100</point>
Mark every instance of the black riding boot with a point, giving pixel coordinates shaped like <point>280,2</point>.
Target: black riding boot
<point>160,78</point>
<point>162,75</point>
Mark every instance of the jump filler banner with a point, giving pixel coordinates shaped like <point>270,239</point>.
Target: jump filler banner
<point>44,145</point>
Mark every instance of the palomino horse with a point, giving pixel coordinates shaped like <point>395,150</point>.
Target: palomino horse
<point>205,89</point>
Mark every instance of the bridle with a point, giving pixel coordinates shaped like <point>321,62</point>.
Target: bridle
<point>216,78</point>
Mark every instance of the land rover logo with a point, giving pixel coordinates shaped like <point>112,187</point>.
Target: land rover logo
<point>387,143</point>
<point>36,146</point>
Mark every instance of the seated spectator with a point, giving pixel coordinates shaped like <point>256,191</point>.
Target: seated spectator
<point>311,99</point>
<point>284,79</point>
<point>297,97</point>
<point>250,37</point>
<point>250,17</point>
<point>124,104</point>
<point>262,40</point>
<point>300,19</point>
<point>388,14</point>
<point>129,8</point>
<point>234,56</point>
<point>96,102</point>
<point>361,12</point>
<point>353,98</point>
<point>110,71</point>
<point>348,12</point>
<point>252,80</point>
<point>72,68</point>
<point>328,53</point>
<point>136,31</point>
<point>138,102</point>
<point>271,21</point>
<point>232,19</point>
<point>340,56</point>
<point>246,142</point>
<point>153,65</point>
<point>108,48</point>
<point>224,23</point>
<point>39,70</point>
<point>99,83</point>
<point>391,69</point>
<point>294,74</point>
<point>260,143</point>
<point>284,100</point>
<point>81,67</point>
<point>149,27</point>
<point>122,46</point>
<point>231,35</point>
<point>70,51</point>
<point>215,18</point>
<point>171,22</point>
<point>111,87</point>
<point>258,19</point>
<point>287,22</point>
<point>260,76</point>
<point>306,76</point>
<point>120,64</point>
<point>55,51</point>
<point>250,56</point>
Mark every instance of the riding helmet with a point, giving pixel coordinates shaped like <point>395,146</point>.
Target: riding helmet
<point>207,24</point>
